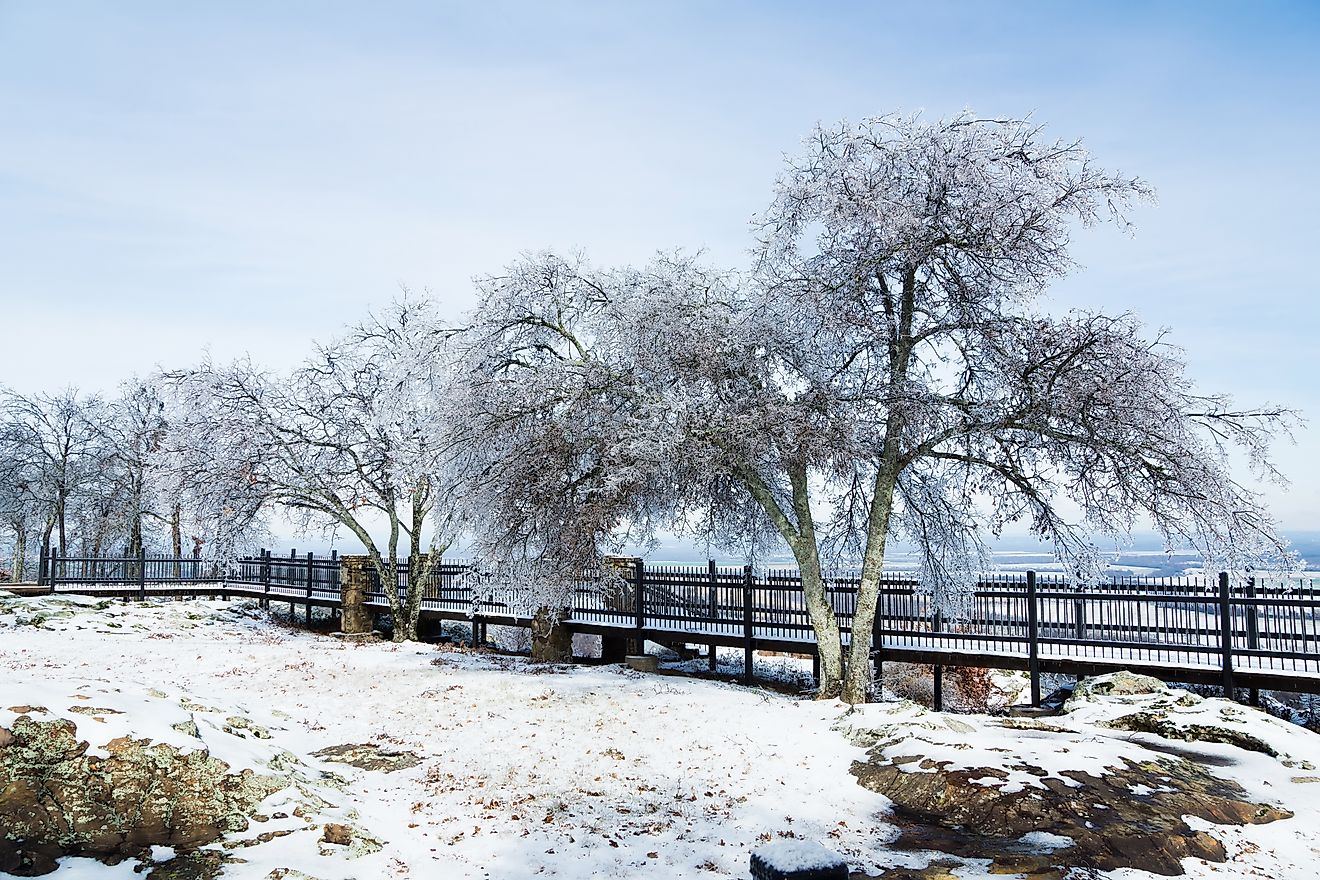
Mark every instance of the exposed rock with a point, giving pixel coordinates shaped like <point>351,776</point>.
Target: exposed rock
<point>337,838</point>
<point>366,756</point>
<point>58,800</point>
<point>936,870</point>
<point>187,728</point>
<point>240,726</point>
<point>1161,725</point>
<point>205,864</point>
<point>1117,684</point>
<point>1129,817</point>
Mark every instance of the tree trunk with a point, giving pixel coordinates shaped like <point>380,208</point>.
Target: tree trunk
<point>176,539</point>
<point>857,677</point>
<point>59,517</point>
<point>552,640</point>
<point>824,621</point>
<point>47,530</point>
<point>20,549</point>
<point>135,537</point>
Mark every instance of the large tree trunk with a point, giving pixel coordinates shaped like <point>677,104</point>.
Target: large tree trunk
<point>552,640</point>
<point>824,622</point>
<point>820,608</point>
<point>857,677</point>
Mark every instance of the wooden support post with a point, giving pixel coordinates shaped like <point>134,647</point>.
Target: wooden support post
<point>265,578</point>
<point>311,580</point>
<point>41,566</point>
<point>1253,632</point>
<point>712,576</point>
<point>1226,634</point>
<point>876,654</point>
<point>937,684</point>
<point>749,631</point>
<point>293,561</point>
<point>639,603</point>
<point>1033,639</point>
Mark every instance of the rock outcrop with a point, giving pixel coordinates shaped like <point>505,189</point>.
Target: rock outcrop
<point>1130,817</point>
<point>57,799</point>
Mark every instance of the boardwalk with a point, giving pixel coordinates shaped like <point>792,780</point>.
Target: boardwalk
<point>1256,634</point>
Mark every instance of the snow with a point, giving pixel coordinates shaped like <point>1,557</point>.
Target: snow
<point>565,772</point>
<point>797,855</point>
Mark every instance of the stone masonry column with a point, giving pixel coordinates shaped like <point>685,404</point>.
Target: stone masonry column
<point>354,578</point>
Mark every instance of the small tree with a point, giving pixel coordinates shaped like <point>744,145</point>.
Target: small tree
<point>345,441</point>
<point>880,371</point>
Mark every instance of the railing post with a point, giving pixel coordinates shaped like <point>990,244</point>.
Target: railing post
<point>877,639</point>
<point>749,631</point>
<point>1253,632</point>
<point>712,579</point>
<point>639,605</point>
<point>712,658</point>
<point>937,697</point>
<point>334,576</point>
<point>41,566</point>
<point>1033,639</point>
<point>291,573</point>
<point>1226,634</point>
<point>142,574</point>
<point>265,578</point>
<point>311,577</point>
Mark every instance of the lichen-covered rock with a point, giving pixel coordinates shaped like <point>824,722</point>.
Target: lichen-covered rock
<point>1132,816</point>
<point>1162,725</point>
<point>57,799</point>
<point>1117,684</point>
<point>366,756</point>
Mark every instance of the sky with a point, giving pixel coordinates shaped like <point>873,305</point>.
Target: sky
<point>243,178</point>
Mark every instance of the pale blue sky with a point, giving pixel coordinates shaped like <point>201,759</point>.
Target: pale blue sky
<point>246,176</point>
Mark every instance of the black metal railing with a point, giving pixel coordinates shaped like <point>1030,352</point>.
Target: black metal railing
<point>1251,625</point>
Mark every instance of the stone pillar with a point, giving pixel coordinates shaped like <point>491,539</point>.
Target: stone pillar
<point>552,640</point>
<point>354,578</point>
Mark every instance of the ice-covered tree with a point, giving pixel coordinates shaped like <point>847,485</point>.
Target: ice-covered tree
<point>53,440</point>
<point>883,368</point>
<point>124,500</point>
<point>555,449</point>
<point>347,440</point>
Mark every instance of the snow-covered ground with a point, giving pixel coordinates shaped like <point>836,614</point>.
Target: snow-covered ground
<point>575,773</point>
